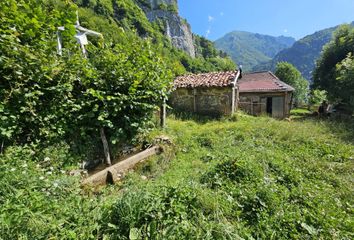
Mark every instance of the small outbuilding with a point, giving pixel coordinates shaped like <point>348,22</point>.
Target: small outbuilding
<point>222,93</point>
<point>263,93</point>
<point>206,93</point>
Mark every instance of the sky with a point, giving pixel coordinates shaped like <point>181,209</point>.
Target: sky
<point>296,18</point>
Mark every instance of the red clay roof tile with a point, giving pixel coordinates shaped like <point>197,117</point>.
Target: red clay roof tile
<point>213,79</point>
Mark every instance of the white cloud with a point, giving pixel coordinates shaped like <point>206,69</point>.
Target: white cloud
<point>221,13</point>
<point>285,30</point>
<point>211,18</point>
<point>207,33</point>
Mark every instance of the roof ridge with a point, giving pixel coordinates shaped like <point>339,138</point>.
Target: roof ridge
<point>211,72</point>
<point>256,72</point>
<point>271,73</point>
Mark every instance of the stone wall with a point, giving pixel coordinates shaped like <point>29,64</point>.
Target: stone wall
<point>208,101</point>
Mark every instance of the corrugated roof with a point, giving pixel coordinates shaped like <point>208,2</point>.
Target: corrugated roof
<point>262,82</point>
<point>213,79</point>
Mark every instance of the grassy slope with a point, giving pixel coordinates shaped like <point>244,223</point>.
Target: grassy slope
<point>262,135</point>
<point>254,177</point>
<point>276,179</point>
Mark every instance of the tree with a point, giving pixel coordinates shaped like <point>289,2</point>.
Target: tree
<point>345,78</point>
<point>333,71</point>
<point>45,97</point>
<point>317,97</point>
<point>290,75</point>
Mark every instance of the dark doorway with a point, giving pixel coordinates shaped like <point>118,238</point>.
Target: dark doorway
<point>269,105</point>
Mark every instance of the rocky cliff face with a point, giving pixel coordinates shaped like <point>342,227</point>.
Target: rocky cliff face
<point>176,28</point>
<point>155,4</point>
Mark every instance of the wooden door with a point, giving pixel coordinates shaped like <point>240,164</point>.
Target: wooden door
<point>278,107</point>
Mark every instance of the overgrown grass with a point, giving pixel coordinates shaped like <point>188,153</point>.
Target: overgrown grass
<point>258,177</point>
<point>39,200</point>
<point>237,178</point>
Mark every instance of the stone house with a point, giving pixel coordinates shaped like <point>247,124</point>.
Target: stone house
<point>206,93</point>
<point>222,93</point>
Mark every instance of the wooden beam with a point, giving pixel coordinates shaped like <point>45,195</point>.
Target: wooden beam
<point>195,100</point>
<point>116,171</point>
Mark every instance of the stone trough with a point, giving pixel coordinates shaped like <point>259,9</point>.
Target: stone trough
<point>116,172</point>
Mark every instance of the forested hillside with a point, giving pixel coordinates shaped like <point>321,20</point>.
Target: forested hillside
<point>48,97</point>
<point>303,54</point>
<point>158,21</point>
<point>252,49</point>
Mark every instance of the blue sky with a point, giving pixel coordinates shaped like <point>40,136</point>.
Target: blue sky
<point>296,18</point>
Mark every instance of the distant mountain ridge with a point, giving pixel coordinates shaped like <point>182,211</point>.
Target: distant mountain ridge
<point>251,49</point>
<point>302,54</point>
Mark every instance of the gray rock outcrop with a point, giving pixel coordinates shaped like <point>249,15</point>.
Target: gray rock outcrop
<point>176,28</point>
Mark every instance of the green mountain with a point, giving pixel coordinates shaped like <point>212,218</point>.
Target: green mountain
<point>252,49</point>
<point>303,54</point>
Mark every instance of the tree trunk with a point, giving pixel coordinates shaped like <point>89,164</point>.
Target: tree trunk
<point>2,147</point>
<point>105,147</point>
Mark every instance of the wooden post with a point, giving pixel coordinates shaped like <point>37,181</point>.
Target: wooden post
<point>105,147</point>
<point>237,99</point>
<point>233,100</point>
<point>195,100</point>
<point>163,114</point>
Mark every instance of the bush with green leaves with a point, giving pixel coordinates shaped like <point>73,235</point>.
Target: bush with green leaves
<point>32,78</point>
<point>48,97</point>
<point>317,97</point>
<point>333,71</point>
<point>288,73</point>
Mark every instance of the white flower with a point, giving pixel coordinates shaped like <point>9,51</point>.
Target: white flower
<point>49,173</point>
<point>25,165</point>
<point>46,159</point>
<point>41,178</point>
<point>55,185</point>
<point>13,169</point>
